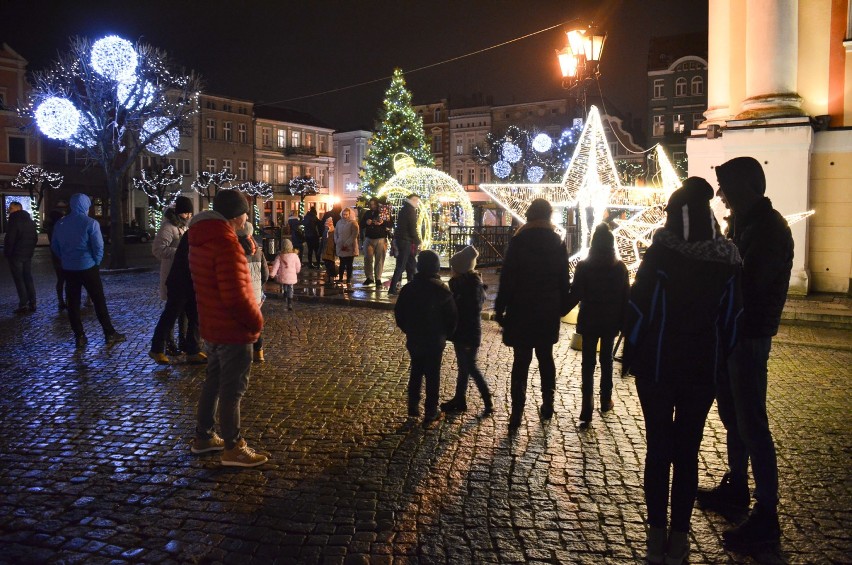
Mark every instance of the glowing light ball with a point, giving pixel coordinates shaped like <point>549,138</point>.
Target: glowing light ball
<point>114,58</point>
<point>511,152</point>
<point>164,143</point>
<point>132,94</point>
<point>542,143</point>
<point>535,173</point>
<point>57,118</point>
<point>502,169</point>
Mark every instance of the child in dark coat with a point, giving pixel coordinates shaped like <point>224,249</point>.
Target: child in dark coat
<point>469,295</point>
<point>426,313</point>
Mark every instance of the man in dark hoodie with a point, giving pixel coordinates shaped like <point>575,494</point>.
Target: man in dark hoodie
<point>406,240</point>
<point>766,245</point>
<point>18,247</point>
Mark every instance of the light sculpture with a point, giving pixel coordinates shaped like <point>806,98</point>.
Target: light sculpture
<point>114,58</point>
<point>542,142</point>
<point>163,141</point>
<point>57,118</point>
<point>511,152</point>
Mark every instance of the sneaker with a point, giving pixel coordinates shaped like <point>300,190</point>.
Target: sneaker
<point>368,282</point>
<point>199,358</point>
<point>115,337</point>
<point>258,356</point>
<point>160,358</point>
<point>454,406</point>
<point>726,497</point>
<point>607,405</point>
<point>242,456</point>
<point>80,341</point>
<point>430,419</point>
<point>760,528</point>
<point>215,443</point>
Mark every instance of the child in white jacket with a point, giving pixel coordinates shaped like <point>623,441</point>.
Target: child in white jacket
<point>284,270</point>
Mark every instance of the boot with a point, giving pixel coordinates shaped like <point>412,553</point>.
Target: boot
<point>760,528</point>
<point>454,405</point>
<point>290,304</point>
<point>731,494</point>
<point>655,544</point>
<point>678,548</point>
<point>587,409</point>
<point>489,406</point>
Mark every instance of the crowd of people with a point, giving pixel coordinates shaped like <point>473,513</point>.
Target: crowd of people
<point>697,323</point>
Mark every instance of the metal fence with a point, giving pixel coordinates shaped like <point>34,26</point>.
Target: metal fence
<point>490,241</point>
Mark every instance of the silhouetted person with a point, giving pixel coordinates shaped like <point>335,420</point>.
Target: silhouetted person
<point>406,240</point>
<point>312,227</point>
<point>18,247</point>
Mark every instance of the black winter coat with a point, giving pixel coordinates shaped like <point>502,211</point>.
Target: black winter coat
<point>21,236</point>
<point>602,288</point>
<point>469,295</point>
<point>406,224</point>
<point>766,246</point>
<point>425,311</point>
<point>179,280</point>
<point>682,316</point>
<point>312,225</point>
<point>534,287</point>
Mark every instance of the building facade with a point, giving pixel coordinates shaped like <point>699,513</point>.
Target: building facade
<point>350,152</point>
<point>436,125</point>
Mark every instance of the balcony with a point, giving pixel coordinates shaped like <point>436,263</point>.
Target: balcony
<point>299,150</point>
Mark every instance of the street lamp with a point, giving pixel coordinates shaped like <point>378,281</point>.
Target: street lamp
<point>579,59</point>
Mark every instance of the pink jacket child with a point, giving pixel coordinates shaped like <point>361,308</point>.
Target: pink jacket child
<point>284,270</point>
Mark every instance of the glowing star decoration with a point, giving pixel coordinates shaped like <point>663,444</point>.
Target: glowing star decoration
<point>114,58</point>
<point>535,173</point>
<point>443,201</point>
<point>161,142</point>
<point>502,169</point>
<point>542,143</point>
<point>511,152</point>
<point>135,94</point>
<point>57,118</point>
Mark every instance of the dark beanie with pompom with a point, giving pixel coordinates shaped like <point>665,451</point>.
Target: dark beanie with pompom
<point>688,213</point>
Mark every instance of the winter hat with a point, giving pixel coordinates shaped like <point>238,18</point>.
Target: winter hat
<point>428,262</point>
<point>539,209</point>
<point>286,246</point>
<point>183,205</point>
<point>602,241</point>
<point>465,260</point>
<point>688,213</point>
<point>230,203</point>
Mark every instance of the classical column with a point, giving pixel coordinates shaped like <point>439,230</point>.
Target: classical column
<point>771,59</point>
<point>718,63</point>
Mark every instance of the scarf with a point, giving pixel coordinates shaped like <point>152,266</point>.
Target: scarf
<point>716,250</point>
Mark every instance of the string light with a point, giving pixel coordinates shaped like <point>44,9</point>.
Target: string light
<point>511,152</point>
<point>57,118</point>
<point>114,58</point>
<point>535,173</point>
<point>135,94</point>
<point>542,143</point>
<point>161,142</point>
<point>35,181</point>
<point>255,189</point>
<point>502,169</point>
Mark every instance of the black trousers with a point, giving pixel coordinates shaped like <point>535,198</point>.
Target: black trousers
<point>520,371</point>
<point>90,279</point>
<point>345,265</point>
<point>425,362</point>
<point>313,250</point>
<point>176,306</point>
<point>23,276</point>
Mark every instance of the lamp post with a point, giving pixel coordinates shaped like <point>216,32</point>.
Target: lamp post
<point>580,58</point>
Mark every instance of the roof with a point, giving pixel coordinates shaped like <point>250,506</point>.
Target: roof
<point>663,51</point>
<point>288,115</point>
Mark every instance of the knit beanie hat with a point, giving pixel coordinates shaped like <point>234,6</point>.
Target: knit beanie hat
<point>540,209</point>
<point>230,203</point>
<point>602,240</point>
<point>428,262</point>
<point>183,205</point>
<point>688,213</point>
<point>465,260</point>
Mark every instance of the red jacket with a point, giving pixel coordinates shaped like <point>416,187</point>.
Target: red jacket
<point>227,309</point>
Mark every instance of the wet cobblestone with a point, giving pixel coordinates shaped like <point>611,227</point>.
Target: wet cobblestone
<point>96,466</point>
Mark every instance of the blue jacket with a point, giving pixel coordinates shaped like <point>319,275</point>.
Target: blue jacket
<point>77,239</point>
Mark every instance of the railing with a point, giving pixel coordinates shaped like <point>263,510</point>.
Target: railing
<point>490,241</point>
<point>300,150</point>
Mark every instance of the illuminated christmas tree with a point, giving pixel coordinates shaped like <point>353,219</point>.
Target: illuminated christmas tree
<point>399,130</point>
<point>111,100</point>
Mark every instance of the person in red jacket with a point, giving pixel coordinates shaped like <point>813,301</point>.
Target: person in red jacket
<point>230,322</point>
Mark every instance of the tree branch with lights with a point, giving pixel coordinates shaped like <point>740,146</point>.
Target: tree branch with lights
<point>207,184</point>
<point>36,181</point>
<point>303,187</point>
<point>161,187</point>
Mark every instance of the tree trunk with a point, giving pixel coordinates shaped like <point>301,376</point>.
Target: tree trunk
<point>117,256</point>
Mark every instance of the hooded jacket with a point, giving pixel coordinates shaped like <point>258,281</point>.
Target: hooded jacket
<point>21,236</point>
<point>469,295</point>
<point>228,311</point>
<point>165,244</point>
<point>425,311</point>
<point>765,243</point>
<point>406,224</point>
<point>285,268</point>
<point>77,238</point>
<point>602,288</point>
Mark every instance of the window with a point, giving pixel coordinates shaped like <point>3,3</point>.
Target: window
<point>436,143</point>
<point>309,171</point>
<point>265,172</point>
<point>696,120</point>
<point>243,170</point>
<point>680,87</point>
<point>309,140</point>
<point>226,107</point>
<point>322,177</point>
<point>471,176</point>
<point>296,171</point>
<point>227,165</point>
<point>280,174</point>
<point>297,138</point>
<point>282,138</point>
<point>697,86</point>
<point>265,133</point>
<point>322,144</point>
<point>659,85</point>
<point>184,166</point>
<point>226,131</point>
<point>437,114</point>
<point>677,124</point>
<point>470,144</point>
<point>613,148</point>
<point>659,126</point>
<point>460,176</point>
<point>211,129</point>
<point>243,133</point>
<point>211,165</point>
<point>346,151</point>
<point>17,149</point>
<point>483,175</point>
<point>459,147</point>
<point>211,105</point>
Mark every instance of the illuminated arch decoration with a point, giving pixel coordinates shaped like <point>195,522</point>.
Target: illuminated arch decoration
<point>443,201</point>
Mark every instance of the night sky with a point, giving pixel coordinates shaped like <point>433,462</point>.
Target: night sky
<point>270,51</point>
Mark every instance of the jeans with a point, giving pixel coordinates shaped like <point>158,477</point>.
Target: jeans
<point>425,362</point>
<point>466,358</point>
<point>287,290</point>
<point>741,399</point>
<point>345,265</point>
<point>178,307</point>
<point>228,368</point>
<point>590,343</point>
<point>520,371</point>
<point>90,279</point>
<point>23,276</point>
<point>378,249</point>
<point>674,411</point>
<point>405,259</point>
<point>313,250</point>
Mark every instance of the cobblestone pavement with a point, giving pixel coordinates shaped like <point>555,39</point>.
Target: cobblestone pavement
<point>96,466</point>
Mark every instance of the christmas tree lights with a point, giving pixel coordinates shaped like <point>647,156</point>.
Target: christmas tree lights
<point>207,184</point>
